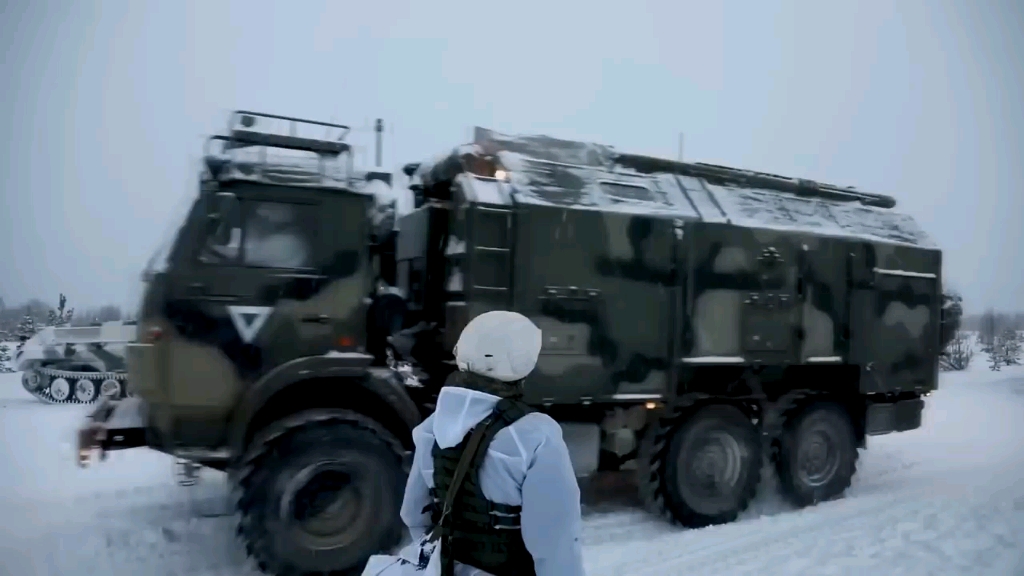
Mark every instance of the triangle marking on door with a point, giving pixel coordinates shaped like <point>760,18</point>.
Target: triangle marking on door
<point>248,320</point>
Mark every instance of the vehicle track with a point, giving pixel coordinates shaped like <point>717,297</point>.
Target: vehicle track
<point>53,386</point>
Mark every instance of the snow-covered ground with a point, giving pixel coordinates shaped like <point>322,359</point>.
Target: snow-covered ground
<point>945,499</point>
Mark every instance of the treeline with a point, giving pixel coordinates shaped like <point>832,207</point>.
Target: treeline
<point>991,323</point>
<point>37,313</point>
<point>999,334</point>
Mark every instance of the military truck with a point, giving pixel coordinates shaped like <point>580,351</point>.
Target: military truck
<point>697,319</point>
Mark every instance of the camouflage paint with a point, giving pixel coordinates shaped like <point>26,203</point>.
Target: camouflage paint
<point>633,276</point>
<point>600,286</point>
<point>196,374</point>
<point>627,284</point>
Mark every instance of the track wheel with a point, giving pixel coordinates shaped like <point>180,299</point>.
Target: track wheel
<point>59,389</point>
<point>711,467</point>
<point>32,380</point>
<point>85,391</point>
<point>817,454</point>
<point>323,497</point>
<point>110,388</point>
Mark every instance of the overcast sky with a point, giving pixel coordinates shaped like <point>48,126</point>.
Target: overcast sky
<point>106,105</point>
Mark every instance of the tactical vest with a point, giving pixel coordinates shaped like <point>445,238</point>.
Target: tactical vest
<point>473,530</point>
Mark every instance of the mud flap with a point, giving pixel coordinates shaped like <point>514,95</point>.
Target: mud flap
<point>112,425</point>
<point>893,417</point>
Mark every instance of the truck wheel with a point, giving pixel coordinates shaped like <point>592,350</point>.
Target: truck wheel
<point>321,492</point>
<point>817,454</point>
<point>708,470</point>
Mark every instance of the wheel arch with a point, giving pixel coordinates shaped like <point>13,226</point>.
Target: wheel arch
<point>854,406</point>
<point>311,383</point>
<point>655,454</point>
<point>793,488</point>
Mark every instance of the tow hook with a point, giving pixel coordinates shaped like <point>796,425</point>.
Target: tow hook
<point>103,432</point>
<point>91,438</point>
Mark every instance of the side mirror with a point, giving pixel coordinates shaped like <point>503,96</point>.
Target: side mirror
<point>224,205</point>
<point>223,234</point>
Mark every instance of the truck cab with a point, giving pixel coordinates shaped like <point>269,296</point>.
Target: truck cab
<point>270,268</point>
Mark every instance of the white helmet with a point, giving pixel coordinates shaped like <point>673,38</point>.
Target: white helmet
<point>500,345</point>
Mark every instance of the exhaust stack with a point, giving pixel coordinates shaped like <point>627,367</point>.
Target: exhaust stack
<point>378,127</point>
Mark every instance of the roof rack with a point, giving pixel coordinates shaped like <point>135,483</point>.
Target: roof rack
<point>750,179</point>
<point>265,131</point>
<point>242,133</point>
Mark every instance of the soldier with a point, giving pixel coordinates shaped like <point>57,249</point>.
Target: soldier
<point>492,490</point>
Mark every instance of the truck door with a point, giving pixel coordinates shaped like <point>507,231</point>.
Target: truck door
<point>247,301</point>
<point>771,315</point>
<point>742,294</point>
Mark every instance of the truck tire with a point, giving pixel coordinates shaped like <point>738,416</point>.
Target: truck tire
<point>817,455</point>
<point>706,469</point>
<point>321,492</point>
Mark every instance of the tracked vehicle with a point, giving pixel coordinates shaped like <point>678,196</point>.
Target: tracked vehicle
<point>75,365</point>
<point>697,319</point>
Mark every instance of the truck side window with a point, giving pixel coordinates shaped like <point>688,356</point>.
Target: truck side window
<point>223,241</point>
<point>278,235</point>
<point>263,235</point>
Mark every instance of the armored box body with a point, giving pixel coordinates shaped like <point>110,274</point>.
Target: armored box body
<point>641,271</point>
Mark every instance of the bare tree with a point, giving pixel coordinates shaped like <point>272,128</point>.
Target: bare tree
<point>952,315</point>
<point>958,353</point>
<point>987,331</point>
<point>109,313</point>
<point>1003,320</point>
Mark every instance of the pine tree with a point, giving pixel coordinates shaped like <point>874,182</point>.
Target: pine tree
<point>26,328</point>
<point>994,359</point>
<point>5,358</point>
<point>60,316</point>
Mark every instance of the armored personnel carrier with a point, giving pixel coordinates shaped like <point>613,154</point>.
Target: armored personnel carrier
<point>696,319</point>
<point>75,365</point>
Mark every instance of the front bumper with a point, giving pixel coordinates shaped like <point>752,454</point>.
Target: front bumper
<point>112,425</point>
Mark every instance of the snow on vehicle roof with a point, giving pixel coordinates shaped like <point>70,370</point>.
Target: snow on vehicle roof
<point>289,168</point>
<point>546,171</point>
<point>292,173</point>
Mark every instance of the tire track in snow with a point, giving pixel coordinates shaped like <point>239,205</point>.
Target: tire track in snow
<point>676,551</point>
<point>930,535</point>
<point>775,549</point>
<point>623,527</point>
<point>154,529</point>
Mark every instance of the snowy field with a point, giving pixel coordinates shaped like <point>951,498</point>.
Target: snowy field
<point>945,499</point>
